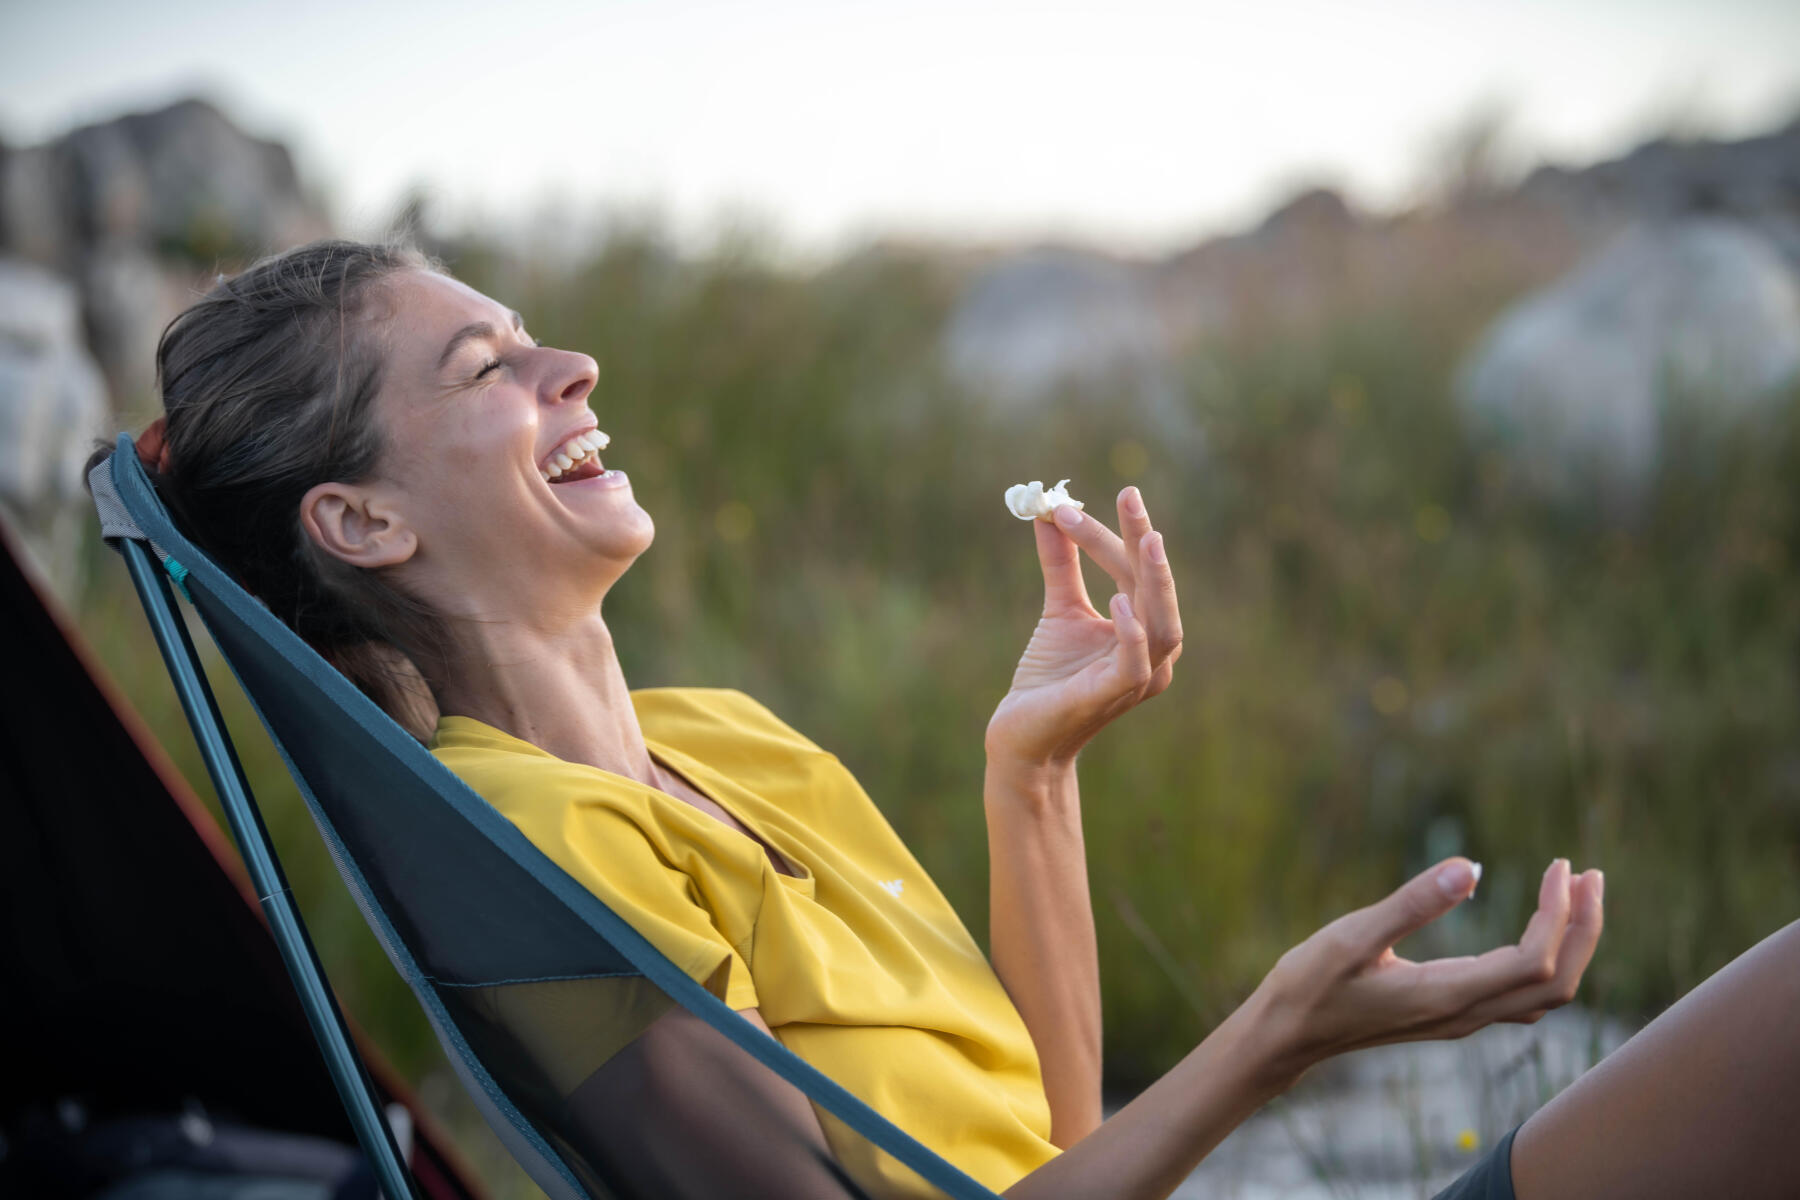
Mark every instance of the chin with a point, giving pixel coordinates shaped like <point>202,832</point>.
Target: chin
<point>631,536</point>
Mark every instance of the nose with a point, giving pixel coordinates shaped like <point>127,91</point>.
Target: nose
<point>570,378</point>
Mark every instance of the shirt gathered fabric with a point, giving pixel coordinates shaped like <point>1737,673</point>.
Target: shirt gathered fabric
<point>857,963</point>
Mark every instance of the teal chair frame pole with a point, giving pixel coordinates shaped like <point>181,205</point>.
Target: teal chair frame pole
<point>322,1013</point>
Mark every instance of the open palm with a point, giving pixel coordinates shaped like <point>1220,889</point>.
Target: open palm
<point>1344,988</point>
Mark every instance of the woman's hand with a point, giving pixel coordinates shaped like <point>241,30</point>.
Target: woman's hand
<point>1344,988</point>
<point>1081,670</point>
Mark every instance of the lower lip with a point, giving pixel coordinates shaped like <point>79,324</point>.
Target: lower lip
<point>607,479</point>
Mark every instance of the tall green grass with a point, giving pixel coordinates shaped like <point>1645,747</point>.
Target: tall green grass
<point>1392,653</point>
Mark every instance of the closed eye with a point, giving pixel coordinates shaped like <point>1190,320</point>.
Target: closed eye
<point>490,365</point>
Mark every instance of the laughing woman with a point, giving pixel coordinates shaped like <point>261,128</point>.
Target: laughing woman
<point>402,473</point>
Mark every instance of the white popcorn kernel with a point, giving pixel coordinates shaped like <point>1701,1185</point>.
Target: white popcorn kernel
<point>1032,502</point>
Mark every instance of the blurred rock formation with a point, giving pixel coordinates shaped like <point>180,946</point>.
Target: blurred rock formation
<point>107,233</point>
<point>1057,319</point>
<point>52,404</point>
<point>1692,319</point>
<point>1037,324</point>
<point>1051,315</point>
<point>1756,180</point>
<point>139,211</point>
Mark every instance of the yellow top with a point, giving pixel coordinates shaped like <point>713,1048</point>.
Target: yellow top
<point>859,965</point>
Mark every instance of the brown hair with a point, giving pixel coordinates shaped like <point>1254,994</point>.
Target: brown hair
<point>268,386</point>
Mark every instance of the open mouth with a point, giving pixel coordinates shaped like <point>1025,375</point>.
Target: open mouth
<point>576,459</point>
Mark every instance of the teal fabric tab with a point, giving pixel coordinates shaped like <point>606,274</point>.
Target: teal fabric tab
<point>179,574</point>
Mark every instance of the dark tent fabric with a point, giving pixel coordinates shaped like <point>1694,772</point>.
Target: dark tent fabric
<point>140,974</point>
<point>603,1067</point>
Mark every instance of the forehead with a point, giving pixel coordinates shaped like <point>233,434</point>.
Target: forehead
<point>427,310</point>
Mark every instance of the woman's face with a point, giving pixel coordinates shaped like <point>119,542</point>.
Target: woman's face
<point>475,415</point>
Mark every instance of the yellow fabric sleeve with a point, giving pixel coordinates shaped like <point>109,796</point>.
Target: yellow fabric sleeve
<point>684,897</point>
<point>610,856</point>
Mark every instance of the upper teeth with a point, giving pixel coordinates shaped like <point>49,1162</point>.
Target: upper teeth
<point>573,452</point>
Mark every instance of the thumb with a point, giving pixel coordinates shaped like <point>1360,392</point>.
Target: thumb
<point>1416,903</point>
<point>1061,560</point>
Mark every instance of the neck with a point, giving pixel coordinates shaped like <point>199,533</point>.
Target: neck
<point>562,690</point>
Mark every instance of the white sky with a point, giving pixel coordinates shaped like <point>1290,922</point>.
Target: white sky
<point>1140,123</point>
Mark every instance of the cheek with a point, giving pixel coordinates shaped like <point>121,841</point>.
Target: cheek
<point>470,449</point>
<point>449,481</point>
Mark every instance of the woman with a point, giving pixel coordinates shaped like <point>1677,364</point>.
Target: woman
<point>389,461</point>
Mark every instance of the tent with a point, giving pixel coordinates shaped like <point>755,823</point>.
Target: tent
<point>149,1021</point>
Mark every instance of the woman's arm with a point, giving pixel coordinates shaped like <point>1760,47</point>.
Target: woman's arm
<point>1041,932</point>
<point>1152,1144</point>
<point>1079,671</point>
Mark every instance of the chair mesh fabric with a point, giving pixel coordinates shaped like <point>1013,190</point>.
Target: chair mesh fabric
<point>605,1070</point>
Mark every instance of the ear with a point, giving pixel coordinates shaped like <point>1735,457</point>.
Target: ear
<point>355,525</point>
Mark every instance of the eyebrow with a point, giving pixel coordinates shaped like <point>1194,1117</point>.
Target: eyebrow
<point>474,332</point>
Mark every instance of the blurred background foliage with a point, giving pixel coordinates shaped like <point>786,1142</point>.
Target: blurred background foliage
<point>1393,651</point>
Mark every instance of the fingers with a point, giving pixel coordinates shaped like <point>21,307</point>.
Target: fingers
<point>1544,932</point>
<point>1102,545</point>
<point>1064,587</point>
<point>1586,919</point>
<point>1138,564</point>
<point>1155,592</point>
<point>1134,527</point>
<point>1418,902</point>
<point>1538,948</point>
<point>1533,963</point>
<point>1453,997</point>
<point>1132,661</point>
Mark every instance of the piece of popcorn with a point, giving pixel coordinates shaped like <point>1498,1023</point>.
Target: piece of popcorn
<point>1032,502</point>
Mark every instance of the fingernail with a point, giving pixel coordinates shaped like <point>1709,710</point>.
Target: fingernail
<point>1552,866</point>
<point>1599,885</point>
<point>1068,517</point>
<point>1153,547</point>
<point>1124,603</point>
<point>1134,502</point>
<point>1459,879</point>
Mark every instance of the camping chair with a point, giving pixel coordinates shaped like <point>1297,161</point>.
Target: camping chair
<point>604,1069</point>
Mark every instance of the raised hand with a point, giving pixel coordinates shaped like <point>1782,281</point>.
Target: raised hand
<point>1344,988</point>
<point>1080,669</point>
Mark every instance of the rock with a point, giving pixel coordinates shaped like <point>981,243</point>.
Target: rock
<point>129,298</point>
<point>138,209</point>
<point>1573,384</point>
<point>35,205</point>
<point>1037,322</point>
<point>109,231</point>
<point>186,182</point>
<point>1056,322</point>
<point>1668,177</point>
<point>1051,318</point>
<point>109,186</point>
<point>52,407</point>
<point>1315,212</point>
